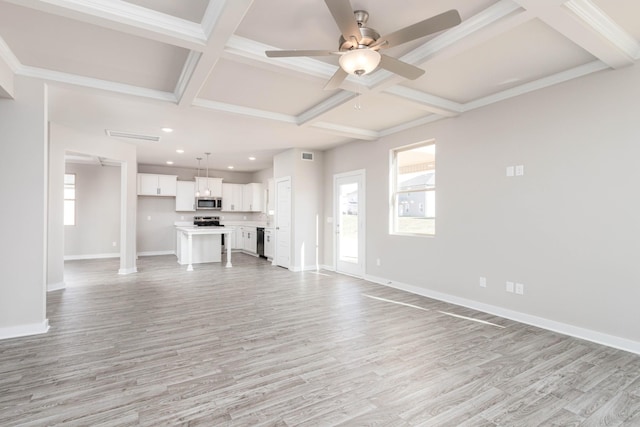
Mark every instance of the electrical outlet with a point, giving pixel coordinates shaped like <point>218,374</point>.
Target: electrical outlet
<point>378,262</point>
<point>509,287</point>
<point>483,282</point>
<point>519,170</point>
<point>114,244</point>
<point>149,218</point>
<point>519,288</point>
<point>510,171</point>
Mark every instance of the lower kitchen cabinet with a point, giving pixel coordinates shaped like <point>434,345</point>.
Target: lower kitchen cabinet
<point>269,244</point>
<point>249,239</point>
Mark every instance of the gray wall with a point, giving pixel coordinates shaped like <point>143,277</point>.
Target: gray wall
<point>568,229</point>
<point>97,212</point>
<point>23,187</point>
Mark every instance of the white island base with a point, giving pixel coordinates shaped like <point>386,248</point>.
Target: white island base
<point>196,245</point>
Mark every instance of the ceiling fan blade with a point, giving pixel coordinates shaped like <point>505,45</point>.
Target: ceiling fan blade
<point>400,68</point>
<point>288,53</point>
<point>336,80</point>
<point>343,15</point>
<point>431,25</point>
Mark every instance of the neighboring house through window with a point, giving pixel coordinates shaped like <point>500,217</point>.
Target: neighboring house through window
<point>69,199</point>
<point>413,189</point>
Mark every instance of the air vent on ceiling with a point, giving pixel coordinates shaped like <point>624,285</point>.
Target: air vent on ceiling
<point>307,156</point>
<point>120,134</point>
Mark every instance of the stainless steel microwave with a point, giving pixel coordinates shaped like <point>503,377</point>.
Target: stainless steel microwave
<point>208,203</point>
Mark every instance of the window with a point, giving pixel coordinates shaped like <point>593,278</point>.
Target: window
<point>69,199</point>
<point>413,189</point>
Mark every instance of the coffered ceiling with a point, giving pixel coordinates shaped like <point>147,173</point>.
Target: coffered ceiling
<point>198,67</point>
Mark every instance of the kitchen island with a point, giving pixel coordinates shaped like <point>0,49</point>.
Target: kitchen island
<point>195,245</point>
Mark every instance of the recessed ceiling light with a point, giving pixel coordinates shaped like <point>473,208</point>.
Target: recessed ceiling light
<point>252,158</point>
<point>229,167</point>
<point>167,130</point>
<point>169,162</point>
<point>179,151</point>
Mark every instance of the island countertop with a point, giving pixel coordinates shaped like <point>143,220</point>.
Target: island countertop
<point>189,231</point>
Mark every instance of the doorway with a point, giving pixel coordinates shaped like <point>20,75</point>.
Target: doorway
<point>349,222</point>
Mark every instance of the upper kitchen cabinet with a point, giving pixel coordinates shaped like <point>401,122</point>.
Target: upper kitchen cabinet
<point>156,185</point>
<point>185,196</point>
<point>253,198</point>
<point>213,184</point>
<point>232,195</point>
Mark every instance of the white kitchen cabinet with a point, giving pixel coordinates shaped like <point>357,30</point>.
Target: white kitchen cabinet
<point>232,197</point>
<point>252,198</point>
<point>185,196</point>
<point>249,239</point>
<point>213,184</point>
<point>269,244</point>
<point>156,185</point>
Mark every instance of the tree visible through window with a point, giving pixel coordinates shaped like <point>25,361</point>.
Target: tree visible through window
<point>413,189</point>
<point>69,199</point>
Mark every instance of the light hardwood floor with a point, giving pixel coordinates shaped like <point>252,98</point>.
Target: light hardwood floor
<point>258,345</point>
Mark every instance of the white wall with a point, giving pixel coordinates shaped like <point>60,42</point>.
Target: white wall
<point>97,212</point>
<point>306,204</point>
<point>23,187</point>
<point>569,229</point>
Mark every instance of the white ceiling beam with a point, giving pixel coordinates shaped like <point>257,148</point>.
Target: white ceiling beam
<point>424,101</point>
<point>221,20</point>
<point>9,66</point>
<point>583,23</point>
<point>125,17</point>
<point>347,131</point>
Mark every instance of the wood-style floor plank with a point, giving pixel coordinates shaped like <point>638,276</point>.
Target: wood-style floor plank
<point>257,345</point>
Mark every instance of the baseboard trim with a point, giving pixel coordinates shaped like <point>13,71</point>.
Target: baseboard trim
<point>540,322</point>
<point>305,268</point>
<point>24,330</point>
<point>156,253</point>
<point>56,286</point>
<point>124,271</point>
<point>91,256</point>
<point>328,267</point>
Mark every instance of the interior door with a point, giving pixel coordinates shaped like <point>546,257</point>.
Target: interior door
<point>283,222</point>
<point>349,221</point>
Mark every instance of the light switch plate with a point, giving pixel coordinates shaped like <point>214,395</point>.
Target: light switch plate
<point>510,171</point>
<point>483,282</point>
<point>519,170</point>
<point>509,287</point>
<point>519,288</point>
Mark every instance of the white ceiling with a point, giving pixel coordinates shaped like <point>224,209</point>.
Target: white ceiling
<point>198,66</point>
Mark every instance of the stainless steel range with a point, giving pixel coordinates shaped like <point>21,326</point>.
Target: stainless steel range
<point>206,221</point>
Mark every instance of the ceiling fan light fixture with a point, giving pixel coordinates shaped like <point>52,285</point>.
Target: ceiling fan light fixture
<point>360,61</point>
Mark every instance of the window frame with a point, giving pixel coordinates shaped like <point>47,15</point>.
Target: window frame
<point>395,192</point>
<point>65,200</point>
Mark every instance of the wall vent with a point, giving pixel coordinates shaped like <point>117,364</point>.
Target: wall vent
<point>129,135</point>
<point>307,156</point>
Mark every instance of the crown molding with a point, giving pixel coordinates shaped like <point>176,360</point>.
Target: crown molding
<point>126,17</point>
<point>435,104</point>
<point>347,131</point>
<point>573,73</point>
<point>605,26</point>
<point>244,111</point>
<point>89,82</point>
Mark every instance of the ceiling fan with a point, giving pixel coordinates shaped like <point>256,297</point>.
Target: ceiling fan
<point>359,44</point>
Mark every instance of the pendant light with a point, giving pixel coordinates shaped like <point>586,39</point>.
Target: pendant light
<point>197,186</point>
<point>207,192</point>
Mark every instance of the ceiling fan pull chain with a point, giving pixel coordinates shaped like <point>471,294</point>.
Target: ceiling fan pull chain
<point>357,105</point>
